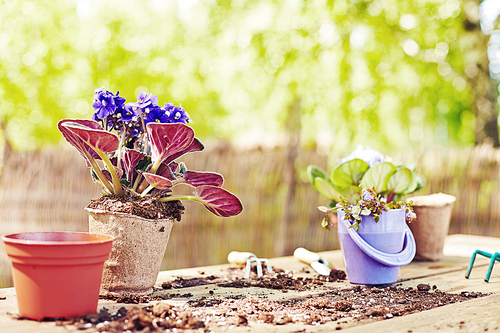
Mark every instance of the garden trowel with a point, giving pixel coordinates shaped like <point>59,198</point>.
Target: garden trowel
<point>319,264</point>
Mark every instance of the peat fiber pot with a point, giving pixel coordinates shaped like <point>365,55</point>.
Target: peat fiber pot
<point>374,254</point>
<point>57,274</point>
<point>137,253</point>
<point>432,224</point>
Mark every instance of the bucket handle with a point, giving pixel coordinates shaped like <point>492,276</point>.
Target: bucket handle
<point>389,259</point>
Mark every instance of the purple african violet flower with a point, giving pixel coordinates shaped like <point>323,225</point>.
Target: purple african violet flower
<point>176,114</point>
<point>145,100</point>
<point>105,103</point>
<point>124,118</point>
<point>127,113</point>
<point>157,115</point>
<point>119,101</point>
<point>368,155</point>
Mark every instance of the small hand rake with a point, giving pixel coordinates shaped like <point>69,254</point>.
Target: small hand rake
<point>249,258</point>
<point>494,257</point>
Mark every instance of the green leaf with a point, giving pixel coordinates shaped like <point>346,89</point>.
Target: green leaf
<point>402,181</point>
<point>366,212</point>
<point>314,172</point>
<point>378,176</point>
<point>355,225</point>
<point>351,193</point>
<point>332,204</point>
<point>143,164</point>
<point>421,182</point>
<point>323,209</point>
<point>349,173</point>
<point>325,224</point>
<point>326,188</point>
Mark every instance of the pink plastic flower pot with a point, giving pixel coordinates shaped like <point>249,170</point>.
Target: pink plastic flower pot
<point>57,274</point>
<point>374,254</point>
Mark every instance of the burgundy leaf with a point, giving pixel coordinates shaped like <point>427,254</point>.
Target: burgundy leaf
<point>219,201</point>
<point>173,166</point>
<point>167,171</point>
<point>119,172</point>
<point>156,181</point>
<point>196,145</point>
<point>199,178</point>
<point>130,159</point>
<point>168,139</point>
<point>98,138</point>
<point>163,192</point>
<point>107,174</point>
<point>76,141</point>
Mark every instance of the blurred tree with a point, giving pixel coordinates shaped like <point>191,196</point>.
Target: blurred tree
<point>391,74</point>
<point>477,71</point>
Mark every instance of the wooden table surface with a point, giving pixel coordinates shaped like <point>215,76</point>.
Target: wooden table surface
<point>476,315</point>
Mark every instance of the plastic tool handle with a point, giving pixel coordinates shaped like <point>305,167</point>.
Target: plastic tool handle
<point>236,257</point>
<point>306,255</point>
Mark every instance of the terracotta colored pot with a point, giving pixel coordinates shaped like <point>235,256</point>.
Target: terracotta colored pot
<point>137,254</point>
<point>431,227</point>
<point>57,274</point>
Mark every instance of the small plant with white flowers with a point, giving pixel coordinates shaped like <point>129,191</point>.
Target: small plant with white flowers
<point>365,183</point>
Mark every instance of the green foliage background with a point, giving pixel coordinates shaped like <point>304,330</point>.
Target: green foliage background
<point>390,74</point>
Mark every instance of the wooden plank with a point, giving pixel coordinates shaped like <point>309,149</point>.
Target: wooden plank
<point>477,315</point>
<point>465,245</point>
<point>447,275</point>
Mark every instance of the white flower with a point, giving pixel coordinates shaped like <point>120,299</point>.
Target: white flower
<point>368,155</point>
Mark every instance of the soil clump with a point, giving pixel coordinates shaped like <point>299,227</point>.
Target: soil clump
<point>148,207</point>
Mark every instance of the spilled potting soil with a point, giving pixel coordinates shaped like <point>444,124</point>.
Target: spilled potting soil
<point>276,299</point>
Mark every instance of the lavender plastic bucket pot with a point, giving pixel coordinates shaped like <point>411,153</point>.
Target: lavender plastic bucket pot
<point>374,254</point>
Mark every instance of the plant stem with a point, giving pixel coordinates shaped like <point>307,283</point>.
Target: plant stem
<point>146,191</point>
<point>119,152</point>
<point>142,186</point>
<point>136,183</point>
<point>99,173</point>
<point>144,132</point>
<point>181,197</point>
<point>390,197</point>
<point>144,146</point>
<point>116,182</point>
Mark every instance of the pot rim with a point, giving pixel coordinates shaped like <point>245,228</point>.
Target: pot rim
<point>97,239</point>
<point>385,211</point>
<point>102,212</point>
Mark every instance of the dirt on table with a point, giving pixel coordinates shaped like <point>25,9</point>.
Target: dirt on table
<point>332,303</point>
<point>148,207</point>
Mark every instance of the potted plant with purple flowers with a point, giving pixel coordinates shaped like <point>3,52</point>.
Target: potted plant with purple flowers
<point>131,149</point>
<point>367,191</point>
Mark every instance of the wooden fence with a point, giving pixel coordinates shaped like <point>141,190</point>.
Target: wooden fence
<point>47,191</point>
